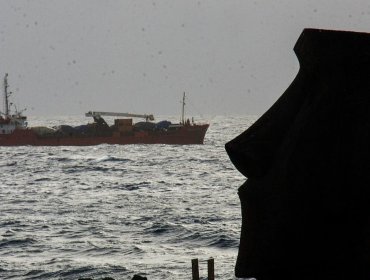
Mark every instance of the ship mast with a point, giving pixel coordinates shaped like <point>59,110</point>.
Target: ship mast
<point>6,95</point>
<point>183,110</point>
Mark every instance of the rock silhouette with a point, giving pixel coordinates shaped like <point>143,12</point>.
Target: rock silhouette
<point>138,277</point>
<point>306,202</point>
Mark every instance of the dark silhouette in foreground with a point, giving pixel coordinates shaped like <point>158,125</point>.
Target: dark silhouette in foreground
<point>306,203</point>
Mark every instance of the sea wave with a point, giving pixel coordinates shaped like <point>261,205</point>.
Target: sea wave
<point>111,210</point>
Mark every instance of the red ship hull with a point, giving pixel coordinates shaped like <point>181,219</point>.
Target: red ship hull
<point>186,135</point>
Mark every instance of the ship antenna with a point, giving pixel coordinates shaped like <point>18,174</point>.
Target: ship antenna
<point>183,109</point>
<point>6,95</point>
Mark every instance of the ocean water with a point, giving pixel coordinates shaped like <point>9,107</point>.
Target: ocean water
<point>115,211</point>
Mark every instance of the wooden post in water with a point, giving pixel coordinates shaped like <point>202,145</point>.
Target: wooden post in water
<point>211,269</point>
<point>195,269</point>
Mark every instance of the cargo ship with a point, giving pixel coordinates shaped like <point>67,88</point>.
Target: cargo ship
<point>14,130</point>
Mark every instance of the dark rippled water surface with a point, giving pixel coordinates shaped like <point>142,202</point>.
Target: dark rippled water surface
<point>109,210</point>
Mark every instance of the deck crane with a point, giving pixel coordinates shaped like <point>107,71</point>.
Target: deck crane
<point>98,115</point>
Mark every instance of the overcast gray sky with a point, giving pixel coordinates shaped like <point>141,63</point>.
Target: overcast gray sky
<point>232,57</point>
